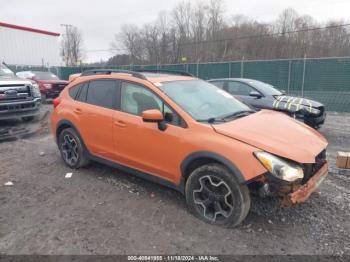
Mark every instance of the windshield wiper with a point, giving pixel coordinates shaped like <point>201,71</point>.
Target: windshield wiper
<point>238,114</point>
<point>211,120</point>
<point>224,118</point>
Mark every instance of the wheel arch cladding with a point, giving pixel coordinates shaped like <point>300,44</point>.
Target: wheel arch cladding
<point>197,159</point>
<point>64,124</point>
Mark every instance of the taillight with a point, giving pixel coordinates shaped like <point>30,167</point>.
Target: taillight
<point>56,102</point>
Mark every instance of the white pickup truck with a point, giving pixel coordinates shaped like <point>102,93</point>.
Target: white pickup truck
<point>19,98</point>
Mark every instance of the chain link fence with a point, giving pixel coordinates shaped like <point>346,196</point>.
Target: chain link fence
<point>326,80</point>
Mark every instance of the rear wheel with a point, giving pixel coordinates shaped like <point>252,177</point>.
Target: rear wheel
<point>71,148</point>
<point>214,195</point>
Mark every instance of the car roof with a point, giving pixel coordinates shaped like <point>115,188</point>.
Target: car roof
<point>245,80</point>
<point>163,77</point>
<point>153,77</point>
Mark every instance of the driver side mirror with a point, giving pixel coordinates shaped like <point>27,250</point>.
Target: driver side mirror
<point>154,116</point>
<point>255,94</point>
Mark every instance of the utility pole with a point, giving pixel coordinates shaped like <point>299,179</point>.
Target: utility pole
<point>67,48</point>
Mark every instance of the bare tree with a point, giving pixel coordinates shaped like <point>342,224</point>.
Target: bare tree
<point>132,40</point>
<point>72,46</point>
<point>201,33</point>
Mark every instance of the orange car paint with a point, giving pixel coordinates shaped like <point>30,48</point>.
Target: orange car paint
<point>128,140</point>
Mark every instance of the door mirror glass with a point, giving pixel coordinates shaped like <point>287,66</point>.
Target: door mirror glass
<point>152,115</point>
<point>255,94</point>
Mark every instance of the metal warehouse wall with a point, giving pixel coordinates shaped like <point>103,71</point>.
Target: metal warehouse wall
<point>24,47</point>
<point>325,79</point>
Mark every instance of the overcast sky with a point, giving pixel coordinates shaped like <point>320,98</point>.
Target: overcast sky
<point>100,20</point>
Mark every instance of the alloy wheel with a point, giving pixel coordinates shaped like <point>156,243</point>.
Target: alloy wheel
<point>214,198</point>
<point>70,149</point>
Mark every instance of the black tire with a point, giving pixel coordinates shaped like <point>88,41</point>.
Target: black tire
<point>28,118</point>
<point>233,198</point>
<point>72,149</point>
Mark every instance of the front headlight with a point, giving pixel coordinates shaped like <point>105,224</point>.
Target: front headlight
<point>279,167</point>
<point>35,90</point>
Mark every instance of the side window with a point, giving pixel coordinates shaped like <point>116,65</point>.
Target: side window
<point>135,99</point>
<point>219,84</point>
<point>102,93</point>
<point>82,94</point>
<point>73,91</point>
<point>240,89</point>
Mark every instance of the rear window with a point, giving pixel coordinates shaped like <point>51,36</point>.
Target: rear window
<point>102,93</point>
<point>219,84</point>
<point>45,76</point>
<point>73,91</point>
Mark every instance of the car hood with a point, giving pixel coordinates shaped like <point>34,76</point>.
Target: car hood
<point>53,82</point>
<point>12,80</point>
<point>276,133</point>
<point>294,104</point>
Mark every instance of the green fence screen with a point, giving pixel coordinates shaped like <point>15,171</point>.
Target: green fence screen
<point>326,80</point>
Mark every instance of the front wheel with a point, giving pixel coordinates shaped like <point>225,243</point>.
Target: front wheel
<point>214,195</point>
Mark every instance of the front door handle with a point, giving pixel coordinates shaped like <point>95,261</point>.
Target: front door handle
<point>119,123</point>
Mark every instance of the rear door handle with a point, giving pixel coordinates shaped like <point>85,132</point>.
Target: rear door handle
<point>78,111</point>
<point>119,123</point>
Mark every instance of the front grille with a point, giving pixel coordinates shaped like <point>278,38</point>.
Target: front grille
<point>16,107</point>
<point>59,86</point>
<point>311,169</point>
<point>14,92</point>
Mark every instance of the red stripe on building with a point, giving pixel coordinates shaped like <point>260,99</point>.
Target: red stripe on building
<point>29,29</point>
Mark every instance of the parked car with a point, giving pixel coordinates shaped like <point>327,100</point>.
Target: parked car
<point>261,95</point>
<point>19,98</point>
<point>50,85</point>
<point>190,135</point>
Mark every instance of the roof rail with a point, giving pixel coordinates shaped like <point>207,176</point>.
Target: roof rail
<point>173,72</point>
<point>110,71</point>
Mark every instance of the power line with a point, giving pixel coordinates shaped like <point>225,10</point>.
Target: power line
<point>236,38</point>
<point>264,35</point>
<point>107,50</point>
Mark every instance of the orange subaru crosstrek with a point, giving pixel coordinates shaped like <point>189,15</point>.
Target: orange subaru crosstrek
<point>187,134</point>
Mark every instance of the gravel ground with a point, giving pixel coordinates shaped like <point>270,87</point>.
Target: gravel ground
<point>100,210</point>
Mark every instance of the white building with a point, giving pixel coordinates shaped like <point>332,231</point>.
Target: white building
<point>28,46</point>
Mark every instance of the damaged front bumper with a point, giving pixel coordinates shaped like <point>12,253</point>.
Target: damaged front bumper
<point>300,193</point>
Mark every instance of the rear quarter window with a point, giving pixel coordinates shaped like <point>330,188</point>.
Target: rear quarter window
<point>82,93</point>
<point>73,91</point>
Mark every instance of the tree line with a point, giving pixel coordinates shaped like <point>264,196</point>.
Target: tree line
<point>203,32</point>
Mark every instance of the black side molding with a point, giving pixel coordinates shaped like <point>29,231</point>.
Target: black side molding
<point>135,172</point>
<point>207,154</point>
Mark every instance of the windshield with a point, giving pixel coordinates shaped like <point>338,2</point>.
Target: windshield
<point>45,76</point>
<point>265,88</point>
<point>202,100</point>
<point>5,71</point>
